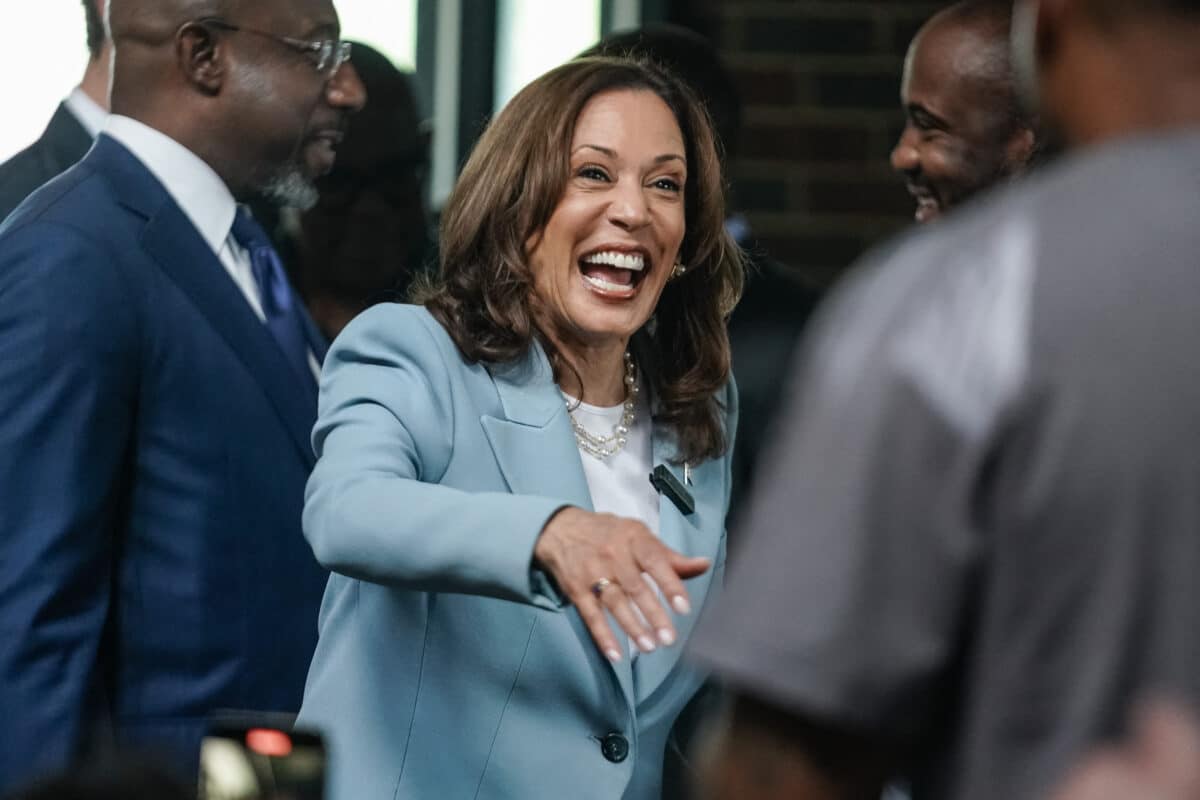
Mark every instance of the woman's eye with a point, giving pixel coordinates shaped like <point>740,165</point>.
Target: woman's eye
<point>593,173</point>
<point>669,184</point>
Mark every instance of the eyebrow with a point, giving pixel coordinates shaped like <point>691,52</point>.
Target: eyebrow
<point>324,29</point>
<point>917,110</point>
<point>608,151</point>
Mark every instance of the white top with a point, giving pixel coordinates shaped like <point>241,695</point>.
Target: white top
<point>89,113</point>
<point>201,194</point>
<point>620,484</point>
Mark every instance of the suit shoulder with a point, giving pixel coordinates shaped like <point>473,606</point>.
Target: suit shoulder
<point>79,199</point>
<point>396,325</point>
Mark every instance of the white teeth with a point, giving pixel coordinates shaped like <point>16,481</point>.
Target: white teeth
<point>607,286</point>
<point>633,261</point>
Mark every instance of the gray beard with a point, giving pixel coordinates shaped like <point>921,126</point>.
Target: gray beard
<point>291,189</point>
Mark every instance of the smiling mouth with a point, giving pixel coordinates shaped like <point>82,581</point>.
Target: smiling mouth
<point>321,148</point>
<point>614,273</point>
<point>928,206</point>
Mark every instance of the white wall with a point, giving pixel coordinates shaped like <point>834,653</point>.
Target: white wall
<point>43,52</point>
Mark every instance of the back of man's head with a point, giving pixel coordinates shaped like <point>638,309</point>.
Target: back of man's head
<point>1125,8</point>
<point>96,36</point>
<point>1105,69</point>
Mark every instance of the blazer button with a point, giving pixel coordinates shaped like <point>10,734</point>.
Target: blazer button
<point>614,747</point>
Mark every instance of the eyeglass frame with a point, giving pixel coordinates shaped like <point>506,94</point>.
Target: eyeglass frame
<point>331,53</point>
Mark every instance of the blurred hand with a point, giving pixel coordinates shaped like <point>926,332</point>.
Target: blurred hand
<point>598,561</point>
<point>1160,762</point>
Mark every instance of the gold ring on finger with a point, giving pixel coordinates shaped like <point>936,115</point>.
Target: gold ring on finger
<point>599,586</point>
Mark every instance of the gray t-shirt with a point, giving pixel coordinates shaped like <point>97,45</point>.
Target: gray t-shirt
<point>978,533</point>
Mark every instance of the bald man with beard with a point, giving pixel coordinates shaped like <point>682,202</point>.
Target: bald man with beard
<point>964,129</point>
<point>157,390</point>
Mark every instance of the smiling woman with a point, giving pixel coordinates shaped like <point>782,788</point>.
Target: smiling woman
<point>483,489</point>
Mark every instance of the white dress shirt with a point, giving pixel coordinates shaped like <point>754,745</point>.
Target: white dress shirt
<point>89,113</point>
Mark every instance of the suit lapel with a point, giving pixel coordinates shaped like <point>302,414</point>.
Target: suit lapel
<point>536,451</point>
<point>173,242</point>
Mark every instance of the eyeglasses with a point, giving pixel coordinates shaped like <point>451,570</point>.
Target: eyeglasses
<point>327,55</point>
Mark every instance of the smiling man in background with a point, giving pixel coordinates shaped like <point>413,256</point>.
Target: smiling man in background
<point>965,129</point>
<point>157,390</point>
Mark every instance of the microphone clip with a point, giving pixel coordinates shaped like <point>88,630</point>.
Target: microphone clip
<point>665,483</point>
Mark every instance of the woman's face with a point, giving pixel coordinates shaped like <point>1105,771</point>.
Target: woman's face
<point>600,263</point>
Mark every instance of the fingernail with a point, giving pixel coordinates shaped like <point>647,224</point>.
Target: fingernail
<point>613,655</point>
<point>666,636</point>
<point>681,605</point>
<point>647,644</point>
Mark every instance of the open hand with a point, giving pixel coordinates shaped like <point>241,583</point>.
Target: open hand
<point>598,561</point>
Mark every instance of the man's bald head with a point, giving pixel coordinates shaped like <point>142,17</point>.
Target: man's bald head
<point>153,21</point>
<point>253,87</point>
<point>966,129</point>
<point>985,56</point>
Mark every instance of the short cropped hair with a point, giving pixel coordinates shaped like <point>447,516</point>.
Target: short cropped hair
<point>95,28</point>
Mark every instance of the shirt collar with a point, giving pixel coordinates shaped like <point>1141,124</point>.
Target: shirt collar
<point>192,183</point>
<point>89,113</point>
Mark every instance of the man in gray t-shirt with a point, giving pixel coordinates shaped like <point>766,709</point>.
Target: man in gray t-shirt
<point>977,541</point>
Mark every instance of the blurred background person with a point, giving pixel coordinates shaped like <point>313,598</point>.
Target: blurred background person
<point>481,490</point>
<point>74,125</point>
<point>766,324</point>
<point>965,129</point>
<point>982,515</point>
<point>368,234</point>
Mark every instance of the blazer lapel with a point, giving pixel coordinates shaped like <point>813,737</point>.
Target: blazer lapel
<point>172,241</point>
<point>695,534</point>
<point>535,448</point>
<point>533,443</point>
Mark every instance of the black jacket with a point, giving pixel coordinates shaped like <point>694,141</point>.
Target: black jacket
<point>62,144</point>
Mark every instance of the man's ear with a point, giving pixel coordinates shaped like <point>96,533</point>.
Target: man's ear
<point>1020,149</point>
<point>199,50</point>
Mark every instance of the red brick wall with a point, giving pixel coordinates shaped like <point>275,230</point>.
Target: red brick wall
<point>820,87</point>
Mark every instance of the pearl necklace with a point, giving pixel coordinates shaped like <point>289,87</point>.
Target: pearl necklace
<point>602,447</point>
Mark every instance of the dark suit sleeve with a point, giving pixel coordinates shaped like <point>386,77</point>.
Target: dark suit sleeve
<point>66,407</point>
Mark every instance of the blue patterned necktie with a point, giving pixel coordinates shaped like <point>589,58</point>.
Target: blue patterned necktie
<point>278,301</point>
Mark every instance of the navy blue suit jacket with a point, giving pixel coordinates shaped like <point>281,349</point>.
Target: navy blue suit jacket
<point>154,446</point>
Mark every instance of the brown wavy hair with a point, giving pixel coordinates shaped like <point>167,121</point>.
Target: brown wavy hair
<point>510,186</point>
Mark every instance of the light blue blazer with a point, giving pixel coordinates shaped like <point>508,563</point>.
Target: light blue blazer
<point>447,667</point>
